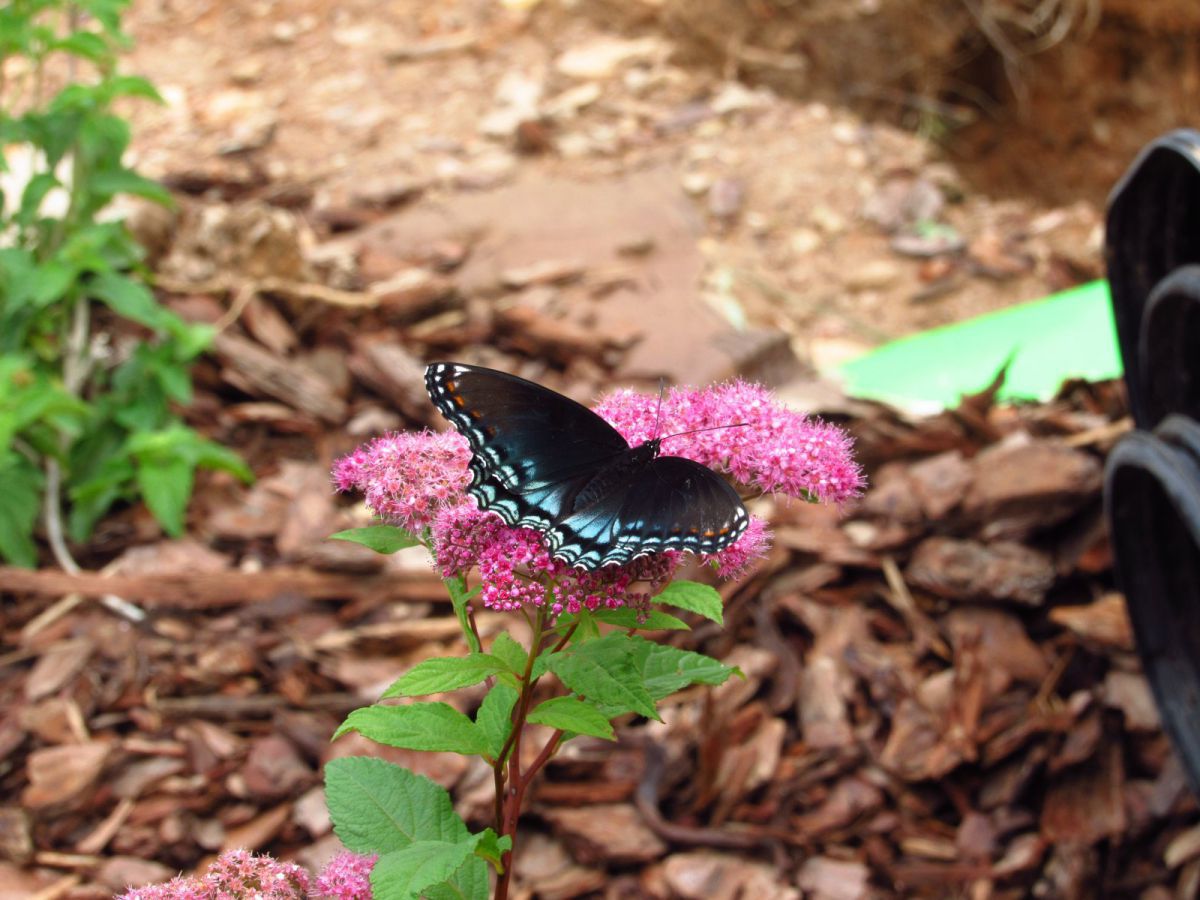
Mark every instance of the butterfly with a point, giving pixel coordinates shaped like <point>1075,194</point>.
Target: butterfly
<point>540,460</point>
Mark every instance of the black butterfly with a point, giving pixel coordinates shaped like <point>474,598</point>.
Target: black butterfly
<point>541,460</point>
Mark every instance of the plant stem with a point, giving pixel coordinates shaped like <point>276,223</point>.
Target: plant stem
<point>510,792</point>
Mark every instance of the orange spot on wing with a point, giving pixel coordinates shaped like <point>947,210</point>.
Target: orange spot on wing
<point>459,400</point>
<point>451,386</point>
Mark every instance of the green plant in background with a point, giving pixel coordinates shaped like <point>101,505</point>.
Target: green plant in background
<point>90,364</point>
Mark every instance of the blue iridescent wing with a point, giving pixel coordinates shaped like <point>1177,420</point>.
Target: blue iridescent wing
<point>532,449</point>
<point>671,504</point>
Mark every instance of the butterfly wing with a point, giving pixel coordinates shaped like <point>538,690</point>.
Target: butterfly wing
<point>532,449</point>
<point>670,504</point>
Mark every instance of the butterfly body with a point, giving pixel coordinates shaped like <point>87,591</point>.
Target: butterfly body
<point>540,460</point>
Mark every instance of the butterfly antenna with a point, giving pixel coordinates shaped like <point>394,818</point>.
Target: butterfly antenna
<point>709,428</point>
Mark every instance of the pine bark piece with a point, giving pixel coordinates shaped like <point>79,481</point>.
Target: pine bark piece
<point>834,879</point>
<point>969,570</point>
<point>63,775</point>
<point>1106,621</point>
<point>1021,489</point>
<point>704,875</point>
<point>286,380</point>
<point>223,589</point>
<point>611,832</point>
<point>1087,805</point>
<point>393,373</point>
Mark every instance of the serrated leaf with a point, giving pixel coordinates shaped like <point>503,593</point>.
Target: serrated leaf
<point>417,726</point>
<point>513,654</point>
<point>380,538</point>
<point>20,502</point>
<point>379,807</point>
<point>694,597</point>
<point>494,717</point>
<point>166,486</point>
<point>574,715</point>
<point>603,670</point>
<point>471,882</point>
<point>444,673</point>
<point>492,846</point>
<point>127,298</point>
<point>406,874</point>
<point>655,620</point>
<point>666,670</point>
<point>126,181</point>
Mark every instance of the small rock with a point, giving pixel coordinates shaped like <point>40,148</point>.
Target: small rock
<point>571,101</point>
<point>903,202</point>
<point>827,220</point>
<point>726,198</point>
<point>804,241</point>
<point>602,56</point>
<point>876,274</point>
<point>550,271</point>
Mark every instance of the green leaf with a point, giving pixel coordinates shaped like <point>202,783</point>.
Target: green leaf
<point>166,486</point>
<point>83,44</point>
<point>669,669</point>
<point>574,715</point>
<point>126,181</point>
<point>507,649</point>
<point>127,298</point>
<point>20,501</point>
<point>133,86</point>
<point>694,597</point>
<point>603,670</point>
<point>494,717</point>
<point>471,882</point>
<point>379,807</point>
<point>417,726</point>
<point>656,620</point>
<point>492,846</point>
<point>444,673</point>
<point>380,538</point>
<point>407,874</point>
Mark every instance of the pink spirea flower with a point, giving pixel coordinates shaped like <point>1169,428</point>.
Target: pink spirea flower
<point>346,877</point>
<point>234,874</point>
<point>516,569</point>
<point>407,478</point>
<point>419,480</point>
<point>777,450</point>
<point>735,560</point>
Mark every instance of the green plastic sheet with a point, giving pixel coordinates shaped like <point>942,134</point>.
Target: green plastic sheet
<point>1044,342</point>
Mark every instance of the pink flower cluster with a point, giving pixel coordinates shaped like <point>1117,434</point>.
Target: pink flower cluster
<point>347,877</point>
<point>419,481</point>
<point>775,449</point>
<point>408,477</point>
<point>517,570</point>
<point>238,874</point>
